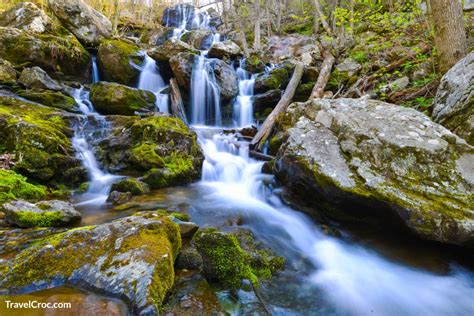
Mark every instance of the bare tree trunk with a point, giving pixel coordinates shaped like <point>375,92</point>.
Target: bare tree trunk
<point>322,17</point>
<point>324,75</point>
<point>279,15</point>
<point>256,38</point>
<point>269,18</point>
<point>450,34</point>
<point>266,129</point>
<point>115,16</point>
<point>177,105</point>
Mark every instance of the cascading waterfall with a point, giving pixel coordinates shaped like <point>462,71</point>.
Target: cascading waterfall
<point>95,70</point>
<point>243,108</point>
<point>90,127</point>
<point>354,280</point>
<point>151,80</point>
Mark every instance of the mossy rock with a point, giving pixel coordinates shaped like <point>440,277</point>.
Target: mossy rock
<point>276,79</point>
<point>38,136</point>
<point>170,48</point>
<point>303,91</point>
<point>160,149</point>
<point>131,185</point>
<point>49,98</point>
<point>118,61</point>
<point>7,73</point>
<point>60,55</point>
<point>131,258</point>
<point>114,98</point>
<point>14,186</point>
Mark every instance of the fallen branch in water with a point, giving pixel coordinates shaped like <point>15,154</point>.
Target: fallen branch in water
<point>265,131</point>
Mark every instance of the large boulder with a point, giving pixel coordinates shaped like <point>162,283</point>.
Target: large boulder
<point>170,48</point>
<point>7,72</point>
<point>58,55</point>
<point>174,16</point>
<point>264,102</point>
<point>39,139</point>
<point>50,98</point>
<point>15,186</point>
<point>87,24</point>
<point>346,71</point>
<point>37,78</point>
<point>42,214</point>
<point>227,50</point>
<point>114,98</point>
<point>358,158</point>
<point>276,78</point>
<point>182,68</point>
<point>160,149</point>
<point>27,16</point>
<point>454,102</point>
<point>199,39</point>
<point>118,61</point>
<point>131,258</point>
<point>226,79</point>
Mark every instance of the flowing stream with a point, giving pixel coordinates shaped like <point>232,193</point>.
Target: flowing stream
<point>243,107</point>
<point>151,80</point>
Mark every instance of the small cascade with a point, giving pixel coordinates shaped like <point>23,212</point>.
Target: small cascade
<point>95,70</point>
<point>151,80</point>
<point>91,127</point>
<point>243,107</point>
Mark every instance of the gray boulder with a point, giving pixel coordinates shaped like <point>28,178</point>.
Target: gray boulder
<point>170,48</point>
<point>357,158</point>
<point>7,72</point>
<point>87,24</point>
<point>131,258</point>
<point>182,67</point>
<point>227,80</point>
<point>38,78</point>
<point>27,16</point>
<point>225,50</point>
<point>42,214</point>
<point>454,102</point>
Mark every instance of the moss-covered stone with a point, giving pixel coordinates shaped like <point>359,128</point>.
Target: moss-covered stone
<point>7,72</point>
<point>49,98</point>
<point>58,54</point>
<point>39,139</point>
<point>161,149</point>
<point>114,98</point>
<point>14,186</point>
<point>276,79</point>
<point>118,61</point>
<point>131,185</point>
<point>131,258</point>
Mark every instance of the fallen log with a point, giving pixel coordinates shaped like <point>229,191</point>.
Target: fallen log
<point>324,75</point>
<point>265,131</point>
<point>259,156</point>
<point>362,83</point>
<point>177,105</point>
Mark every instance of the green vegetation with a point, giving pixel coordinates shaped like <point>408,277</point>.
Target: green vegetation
<point>34,219</point>
<point>14,186</point>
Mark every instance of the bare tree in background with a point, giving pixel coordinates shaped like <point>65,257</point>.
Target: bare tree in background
<point>450,34</point>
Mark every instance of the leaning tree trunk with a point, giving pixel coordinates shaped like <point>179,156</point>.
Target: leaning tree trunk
<point>450,35</point>
<point>324,75</point>
<point>266,129</point>
<point>256,38</point>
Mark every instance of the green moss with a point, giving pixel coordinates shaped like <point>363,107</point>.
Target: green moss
<point>177,170</point>
<point>227,261</point>
<point>181,216</point>
<point>33,219</point>
<point>156,127</point>
<point>276,79</point>
<point>114,57</point>
<point>49,98</point>
<point>14,186</point>
<point>131,185</point>
<point>146,157</point>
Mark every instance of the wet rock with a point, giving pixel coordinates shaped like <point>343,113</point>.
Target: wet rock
<point>303,91</point>
<point>39,138</point>
<point>7,72</point>
<point>119,60</point>
<point>27,16</point>
<point>358,158</point>
<point>87,24</point>
<point>156,36</point>
<point>173,16</point>
<point>187,229</point>
<point>42,50</point>
<point>226,50</point>
<point>38,78</point>
<point>254,63</point>
<point>227,80</point>
<point>132,185</point>
<point>199,39</point>
<point>116,197</point>
<point>182,68</point>
<point>114,98</point>
<point>310,74</point>
<point>189,259</point>
<point>267,100</point>
<point>42,214</point>
<point>454,102</point>
<point>131,258</point>
<point>170,48</point>
<point>277,78</point>
<point>161,149</point>
<point>49,98</point>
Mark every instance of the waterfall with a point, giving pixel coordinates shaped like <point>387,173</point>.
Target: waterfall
<point>151,80</point>
<point>89,128</point>
<point>95,70</point>
<point>243,108</point>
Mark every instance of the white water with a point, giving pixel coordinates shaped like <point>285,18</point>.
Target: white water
<point>95,70</point>
<point>88,128</point>
<point>243,108</point>
<point>151,80</point>
<point>354,280</point>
